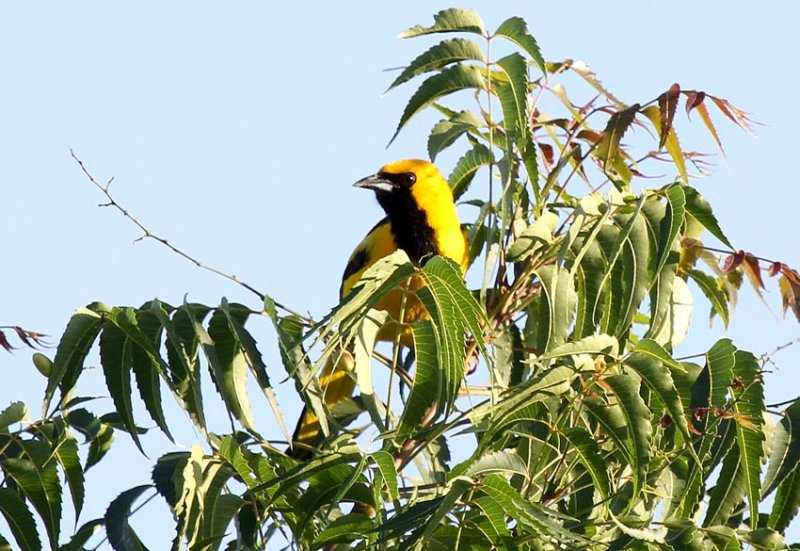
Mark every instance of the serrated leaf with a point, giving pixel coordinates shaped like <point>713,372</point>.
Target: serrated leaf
<point>120,534</point>
<point>448,21</point>
<point>658,379</point>
<point>617,125</point>
<point>73,347</point>
<point>505,463</point>
<point>706,118</point>
<point>20,520</point>
<point>35,474</point>
<point>15,412</point>
<point>785,452</point>
<point>452,79</point>
<point>593,344</point>
<point>671,225</point>
<point>787,502</point>
<point>637,418</point>
<point>82,535</point>
<point>539,233</point>
<point>667,103</point>
<point>715,295</point>
<point>729,490</point>
<point>513,95</point>
<point>116,355</point>
<point>181,344</point>
<point>446,132</point>
<point>388,472</point>
<point>228,364</point>
<point>670,140</point>
<point>440,55</point>
<point>343,530</point>
<point>466,166</point>
<point>700,209</point>
<point>749,408</point>
<point>516,30</point>
<point>554,312</point>
<point>589,455</point>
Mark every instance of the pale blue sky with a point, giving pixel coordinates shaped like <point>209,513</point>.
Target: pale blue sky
<point>236,129</point>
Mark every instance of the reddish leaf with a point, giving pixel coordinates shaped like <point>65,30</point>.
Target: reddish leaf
<point>667,102</point>
<point>735,114</point>
<point>753,270</point>
<point>790,273</point>
<point>547,154</point>
<point>23,335</point>
<point>701,108</point>
<point>589,136</point>
<point>790,293</point>
<point>616,127</point>
<point>775,269</point>
<point>693,99</point>
<point>4,342</point>
<point>733,261</point>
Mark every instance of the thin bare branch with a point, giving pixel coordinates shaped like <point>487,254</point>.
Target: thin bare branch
<point>148,234</point>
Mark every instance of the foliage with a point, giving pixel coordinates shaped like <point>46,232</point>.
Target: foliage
<point>589,433</point>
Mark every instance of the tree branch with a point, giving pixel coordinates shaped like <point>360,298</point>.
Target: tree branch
<point>147,233</point>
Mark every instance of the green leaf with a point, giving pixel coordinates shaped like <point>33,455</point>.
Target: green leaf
<point>617,125</point>
<point>82,535</point>
<point>503,462</point>
<point>700,209</point>
<point>516,30</point>
<point>35,474</point>
<point>20,520</point>
<point>749,408</point>
<point>554,312</point>
<point>448,21</point>
<point>729,490</point>
<point>120,534</point>
<point>440,55</point>
<point>466,166</point>
<point>66,452</point>
<point>785,453</point>
<point>787,502</point>
<point>715,295</point>
<point>343,530</point>
<point>538,234</point>
<point>228,364</point>
<point>73,347</point>
<point>589,455</point>
<point>184,370</point>
<point>14,413</point>
<point>670,225</point>
<point>637,418</point>
<point>658,379</point>
<point>116,355</point>
<point>446,132</point>
<point>651,348</point>
<point>451,79</point>
<point>388,472</point>
<point>513,96</point>
<point>593,344</point>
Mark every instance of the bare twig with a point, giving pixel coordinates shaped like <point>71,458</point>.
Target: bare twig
<point>767,357</point>
<point>146,233</point>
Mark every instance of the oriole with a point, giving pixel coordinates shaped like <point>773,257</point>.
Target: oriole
<point>421,219</point>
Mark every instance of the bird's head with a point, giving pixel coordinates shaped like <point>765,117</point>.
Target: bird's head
<point>412,180</point>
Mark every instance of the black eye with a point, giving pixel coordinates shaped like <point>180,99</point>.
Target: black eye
<point>409,178</point>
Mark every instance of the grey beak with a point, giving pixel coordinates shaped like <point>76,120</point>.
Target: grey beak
<point>376,183</point>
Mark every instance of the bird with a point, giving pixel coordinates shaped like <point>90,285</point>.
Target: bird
<point>421,219</point>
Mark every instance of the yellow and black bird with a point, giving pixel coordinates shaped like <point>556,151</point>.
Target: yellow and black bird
<point>421,219</point>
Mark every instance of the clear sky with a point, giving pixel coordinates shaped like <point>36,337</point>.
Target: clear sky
<point>235,129</point>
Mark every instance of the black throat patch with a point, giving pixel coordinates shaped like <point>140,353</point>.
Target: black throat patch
<point>409,224</point>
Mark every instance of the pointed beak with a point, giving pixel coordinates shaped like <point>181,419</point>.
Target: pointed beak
<point>376,183</point>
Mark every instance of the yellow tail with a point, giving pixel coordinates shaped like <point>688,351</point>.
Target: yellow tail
<point>336,384</point>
